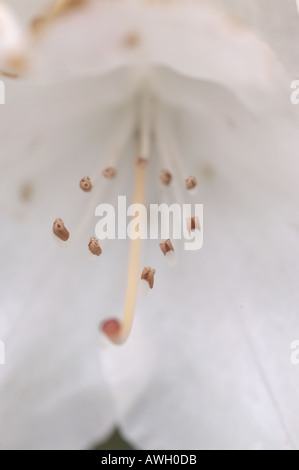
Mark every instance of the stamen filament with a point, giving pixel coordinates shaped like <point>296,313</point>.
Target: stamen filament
<point>190,181</point>
<point>98,192</point>
<point>165,150</point>
<point>145,127</point>
<point>124,135</point>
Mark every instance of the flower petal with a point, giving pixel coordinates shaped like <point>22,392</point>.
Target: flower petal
<point>222,323</point>
<point>53,391</point>
<point>190,37</point>
<point>275,21</point>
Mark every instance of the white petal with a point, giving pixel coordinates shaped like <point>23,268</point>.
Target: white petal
<point>222,323</point>
<point>276,21</point>
<point>28,9</point>
<point>53,391</point>
<point>190,37</point>
<point>219,392</point>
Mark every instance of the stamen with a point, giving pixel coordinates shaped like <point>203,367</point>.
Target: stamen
<point>141,162</point>
<point>166,177</point>
<point>193,224</point>
<point>165,152</point>
<point>88,214</point>
<point>145,128</point>
<point>148,275</point>
<point>85,184</point>
<point>109,173</point>
<point>131,40</point>
<point>146,281</point>
<point>169,252</point>
<point>27,191</point>
<point>99,191</point>
<point>166,246</point>
<point>191,184</point>
<point>125,134</point>
<point>94,246</point>
<point>60,230</point>
<point>190,181</point>
<point>118,332</point>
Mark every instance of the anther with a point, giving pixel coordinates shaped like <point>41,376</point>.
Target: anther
<point>94,246</point>
<point>141,162</point>
<point>191,183</point>
<point>169,253</point>
<point>166,246</point>
<point>60,231</point>
<point>193,224</point>
<point>165,177</point>
<point>109,173</point>
<point>148,275</point>
<point>85,184</point>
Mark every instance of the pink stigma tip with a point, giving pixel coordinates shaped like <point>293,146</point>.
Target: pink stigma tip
<point>111,327</point>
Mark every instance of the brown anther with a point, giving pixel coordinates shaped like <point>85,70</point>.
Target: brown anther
<point>60,231</point>
<point>15,64</point>
<point>193,224</point>
<point>37,24</point>
<point>166,177</point>
<point>26,191</point>
<point>109,173</point>
<point>148,275</point>
<point>131,40</point>
<point>166,246</point>
<point>141,162</point>
<point>76,3</point>
<point>85,184</point>
<point>94,246</point>
<point>191,182</point>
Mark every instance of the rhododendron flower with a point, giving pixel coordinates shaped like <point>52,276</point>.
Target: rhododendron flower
<point>205,357</point>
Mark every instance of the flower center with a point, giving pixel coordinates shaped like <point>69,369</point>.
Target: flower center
<point>147,126</point>
<point>116,331</point>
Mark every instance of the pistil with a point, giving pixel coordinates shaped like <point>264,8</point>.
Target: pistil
<point>118,332</point>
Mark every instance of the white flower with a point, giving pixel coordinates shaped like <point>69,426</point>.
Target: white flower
<point>207,365</point>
